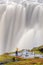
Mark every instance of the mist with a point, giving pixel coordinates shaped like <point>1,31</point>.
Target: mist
<point>20,27</point>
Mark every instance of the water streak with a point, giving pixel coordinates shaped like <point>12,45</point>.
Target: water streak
<point>20,26</point>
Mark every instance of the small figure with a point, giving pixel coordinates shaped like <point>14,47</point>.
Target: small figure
<point>16,52</point>
<point>13,59</point>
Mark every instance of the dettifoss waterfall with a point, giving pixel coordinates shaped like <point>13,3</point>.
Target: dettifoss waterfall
<point>21,26</point>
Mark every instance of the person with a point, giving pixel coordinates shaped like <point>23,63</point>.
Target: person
<point>13,59</point>
<point>16,52</point>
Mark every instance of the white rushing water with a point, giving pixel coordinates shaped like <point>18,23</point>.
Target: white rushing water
<point>20,27</point>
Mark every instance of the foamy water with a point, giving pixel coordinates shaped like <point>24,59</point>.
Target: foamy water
<point>20,26</point>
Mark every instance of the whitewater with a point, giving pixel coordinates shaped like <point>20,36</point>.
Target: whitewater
<point>21,26</point>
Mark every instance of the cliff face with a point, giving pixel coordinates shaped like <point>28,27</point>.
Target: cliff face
<point>38,49</point>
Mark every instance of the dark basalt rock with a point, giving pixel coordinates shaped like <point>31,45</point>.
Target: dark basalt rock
<point>41,50</point>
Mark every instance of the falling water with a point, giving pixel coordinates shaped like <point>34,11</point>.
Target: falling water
<point>20,26</point>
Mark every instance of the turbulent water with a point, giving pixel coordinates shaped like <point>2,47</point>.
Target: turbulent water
<point>20,27</point>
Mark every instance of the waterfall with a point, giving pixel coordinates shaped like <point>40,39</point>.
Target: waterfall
<point>20,27</point>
